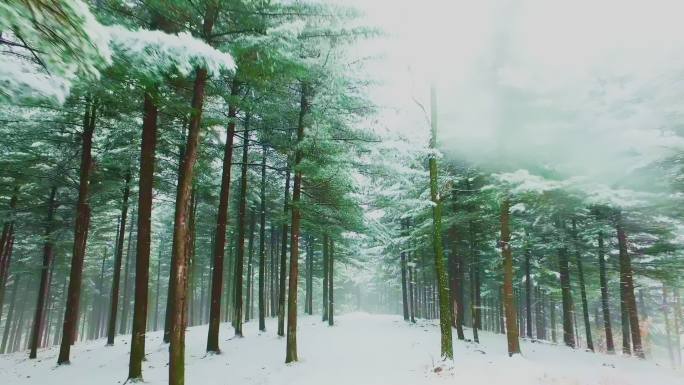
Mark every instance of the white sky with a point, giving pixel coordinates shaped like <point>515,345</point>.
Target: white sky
<point>588,88</point>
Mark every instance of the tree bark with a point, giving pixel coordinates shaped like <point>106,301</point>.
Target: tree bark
<point>283,258</point>
<point>605,304</point>
<point>114,300</point>
<point>6,245</point>
<point>508,296</point>
<point>528,295</point>
<point>331,284</point>
<point>566,294</point>
<point>242,226</point>
<point>627,283</point>
<point>80,235</point>
<point>262,246</point>
<point>326,275</point>
<point>179,264</point>
<point>583,290</point>
<point>10,315</point>
<point>404,293</point>
<point>221,225</point>
<point>291,344</point>
<point>447,351</point>
<point>44,273</point>
<point>144,237</point>
<point>249,297</point>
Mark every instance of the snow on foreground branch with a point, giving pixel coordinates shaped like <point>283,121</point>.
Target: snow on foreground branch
<point>49,48</point>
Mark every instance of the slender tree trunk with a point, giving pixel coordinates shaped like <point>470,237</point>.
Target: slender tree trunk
<point>566,293</point>
<point>554,338</point>
<point>283,258</point>
<point>412,288</point>
<point>221,225</point>
<point>528,295</point>
<point>273,301</point>
<point>123,322</point>
<point>44,274</point>
<point>459,285</point>
<point>404,293</point>
<point>98,299</point>
<point>331,284</point>
<point>114,301</point>
<point>262,246</point>
<point>583,290</point>
<point>509,299</point>
<point>242,226</point>
<point>307,273</point>
<point>249,298</point>
<point>144,238</point>
<point>605,305</point>
<point>627,283</point>
<point>158,290</point>
<point>476,298</point>
<point>6,245</point>
<point>291,344</point>
<point>447,351</point>
<point>80,235</point>
<point>10,314</point>
<point>326,275</point>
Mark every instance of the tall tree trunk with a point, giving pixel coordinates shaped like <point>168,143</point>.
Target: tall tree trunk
<point>98,299</point>
<point>566,294</point>
<point>283,258</point>
<point>10,315</point>
<point>123,322</point>
<point>144,238</point>
<point>508,296</point>
<point>44,274</point>
<point>331,284</point>
<point>6,245</point>
<point>221,224</point>
<point>583,290</point>
<point>326,275</point>
<point>627,283</point>
<point>307,274</point>
<point>412,286</point>
<point>114,300</point>
<point>80,235</point>
<point>242,227</point>
<point>291,344</point>
<point>605,305</point>
<point>475,292</point>
<point>447,351</point>
<point>179,264</point>
<point>459,286</point>
<point>273,272</point>
<point>528,295</point>
<point>262,246</point>
<point>158,290</point>
<point>249,297</point>
<point>404,293</point>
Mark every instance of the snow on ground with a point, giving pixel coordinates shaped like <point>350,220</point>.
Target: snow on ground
<point>362,349</point>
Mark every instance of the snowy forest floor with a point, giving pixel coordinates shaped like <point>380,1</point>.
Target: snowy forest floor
<point>361,349</point>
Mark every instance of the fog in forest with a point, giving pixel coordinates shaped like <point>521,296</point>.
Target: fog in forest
<point>580,89</point>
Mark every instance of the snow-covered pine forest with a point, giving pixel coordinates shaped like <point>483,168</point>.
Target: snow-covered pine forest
<point>341,192</point>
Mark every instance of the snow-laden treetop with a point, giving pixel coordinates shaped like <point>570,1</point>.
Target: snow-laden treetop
<point>48,48</point>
